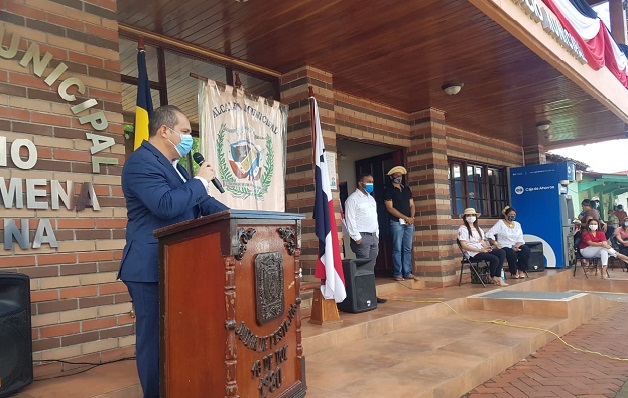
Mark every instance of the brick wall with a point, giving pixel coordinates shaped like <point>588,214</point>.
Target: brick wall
<point>79,311</point>
<point>428,142</point>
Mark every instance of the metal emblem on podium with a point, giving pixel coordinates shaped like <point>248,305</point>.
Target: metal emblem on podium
<point>269,285</point>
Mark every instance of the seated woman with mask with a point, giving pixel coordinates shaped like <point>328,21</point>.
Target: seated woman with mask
<point>510,238</point>
<point>475,246</point>
<point>595,244</point>
<point>621,235</point>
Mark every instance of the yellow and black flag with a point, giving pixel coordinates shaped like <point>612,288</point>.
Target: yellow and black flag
<point>144,104</point>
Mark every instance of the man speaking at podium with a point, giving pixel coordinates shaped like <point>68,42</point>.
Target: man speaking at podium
<point>158,192</point>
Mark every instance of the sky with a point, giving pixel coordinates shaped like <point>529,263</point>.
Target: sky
<point>604,157</point>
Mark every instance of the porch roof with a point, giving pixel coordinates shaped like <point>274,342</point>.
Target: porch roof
<point>400,53</point>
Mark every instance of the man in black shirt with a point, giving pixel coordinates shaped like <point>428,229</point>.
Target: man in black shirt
<point>400,205</point>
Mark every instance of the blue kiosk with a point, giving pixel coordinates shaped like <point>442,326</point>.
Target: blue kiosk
<point>544,209</point>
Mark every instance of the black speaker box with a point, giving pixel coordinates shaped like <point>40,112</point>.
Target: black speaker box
<point>536,263</point>
<point>16,363</point>
<point>360,286</point>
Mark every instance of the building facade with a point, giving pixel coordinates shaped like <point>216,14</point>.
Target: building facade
<point>67,91</point>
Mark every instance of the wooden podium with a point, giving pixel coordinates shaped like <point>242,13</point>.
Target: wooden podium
<point>229,302</point>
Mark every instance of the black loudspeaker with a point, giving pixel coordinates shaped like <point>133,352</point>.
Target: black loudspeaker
<point>360,286</point>
<point>536,263</point>
<point>16,346</point>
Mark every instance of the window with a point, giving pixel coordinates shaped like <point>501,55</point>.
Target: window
<point>170,82</point>
<point>482,187</point>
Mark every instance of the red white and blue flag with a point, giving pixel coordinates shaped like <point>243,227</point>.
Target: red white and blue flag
<point>329,265</point>
<point>598,45</point>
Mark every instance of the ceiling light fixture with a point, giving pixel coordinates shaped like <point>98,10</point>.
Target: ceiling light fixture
<point>452,88</point>
<point>543,125</point>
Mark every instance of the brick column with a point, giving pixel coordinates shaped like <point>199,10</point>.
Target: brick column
<point>300,184</point>
<point>428,179</point>
<point>534,154</point>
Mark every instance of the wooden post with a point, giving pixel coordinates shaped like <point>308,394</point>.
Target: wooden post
<point>617,16</point>
<point>323,311</point>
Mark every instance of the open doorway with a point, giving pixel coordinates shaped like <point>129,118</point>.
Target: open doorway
<point>355,158</point>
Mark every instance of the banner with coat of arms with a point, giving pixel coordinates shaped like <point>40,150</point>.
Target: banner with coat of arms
<point>244,139</point>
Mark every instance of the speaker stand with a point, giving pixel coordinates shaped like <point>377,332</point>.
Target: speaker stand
<point>324,311</point>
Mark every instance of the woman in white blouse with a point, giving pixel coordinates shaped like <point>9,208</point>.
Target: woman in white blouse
<point>474,244</point>
<point>507,234</point>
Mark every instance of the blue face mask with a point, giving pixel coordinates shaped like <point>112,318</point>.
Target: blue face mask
<point>185,144</point>
<point>397,180</point>
<point>368,187</point>
<point>511,218</point>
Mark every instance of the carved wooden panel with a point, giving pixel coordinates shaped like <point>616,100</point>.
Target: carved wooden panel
<point>230,328</point>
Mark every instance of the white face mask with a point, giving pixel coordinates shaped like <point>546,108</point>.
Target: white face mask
<point>471,219</point>
<point>593,227</point>
<point>626,223</point>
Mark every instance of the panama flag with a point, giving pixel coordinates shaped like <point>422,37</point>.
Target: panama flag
<point>329,265</point>
<point>144,104</point>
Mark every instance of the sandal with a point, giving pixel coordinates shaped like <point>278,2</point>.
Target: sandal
<point>399,278</point>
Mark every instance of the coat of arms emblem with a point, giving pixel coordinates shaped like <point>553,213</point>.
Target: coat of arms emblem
<point>245,160</point>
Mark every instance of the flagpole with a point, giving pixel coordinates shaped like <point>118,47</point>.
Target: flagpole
<point>313,129</point>
<point>144,103</point>
<point>311,97</point>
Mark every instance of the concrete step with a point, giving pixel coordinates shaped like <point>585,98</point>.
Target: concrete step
<point>383,287</point>
<point>432,349</point>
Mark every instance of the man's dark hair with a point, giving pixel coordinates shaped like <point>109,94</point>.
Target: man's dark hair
<point>586,202</point>
<point>363,176</point>
<point>164,115</point>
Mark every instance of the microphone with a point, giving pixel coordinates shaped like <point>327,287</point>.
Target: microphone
<point>199,159</point>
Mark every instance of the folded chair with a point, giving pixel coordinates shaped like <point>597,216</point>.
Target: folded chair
<point>585,262</point>
<point>478,268</point>
<point>615,245</point>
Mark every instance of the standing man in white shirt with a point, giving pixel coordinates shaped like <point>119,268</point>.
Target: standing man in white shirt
<point>361,220</point>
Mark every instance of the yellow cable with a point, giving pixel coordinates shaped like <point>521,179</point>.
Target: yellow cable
<point>502,322</point>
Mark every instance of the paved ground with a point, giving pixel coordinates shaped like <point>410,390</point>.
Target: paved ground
<point>557,370</point>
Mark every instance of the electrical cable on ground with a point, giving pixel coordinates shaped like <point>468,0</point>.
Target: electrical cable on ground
<point>90,365</point>
<point>502,322</point>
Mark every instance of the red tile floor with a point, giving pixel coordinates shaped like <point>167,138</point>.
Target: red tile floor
<point>557,370</point>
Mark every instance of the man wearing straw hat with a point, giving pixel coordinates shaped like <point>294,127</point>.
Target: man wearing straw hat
<point>400,205</point>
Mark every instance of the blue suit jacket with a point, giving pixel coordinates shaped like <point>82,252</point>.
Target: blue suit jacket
<point>156,197</point>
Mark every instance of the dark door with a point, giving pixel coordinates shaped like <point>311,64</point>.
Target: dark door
<point>344,194</point>
<point>378,166</point>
